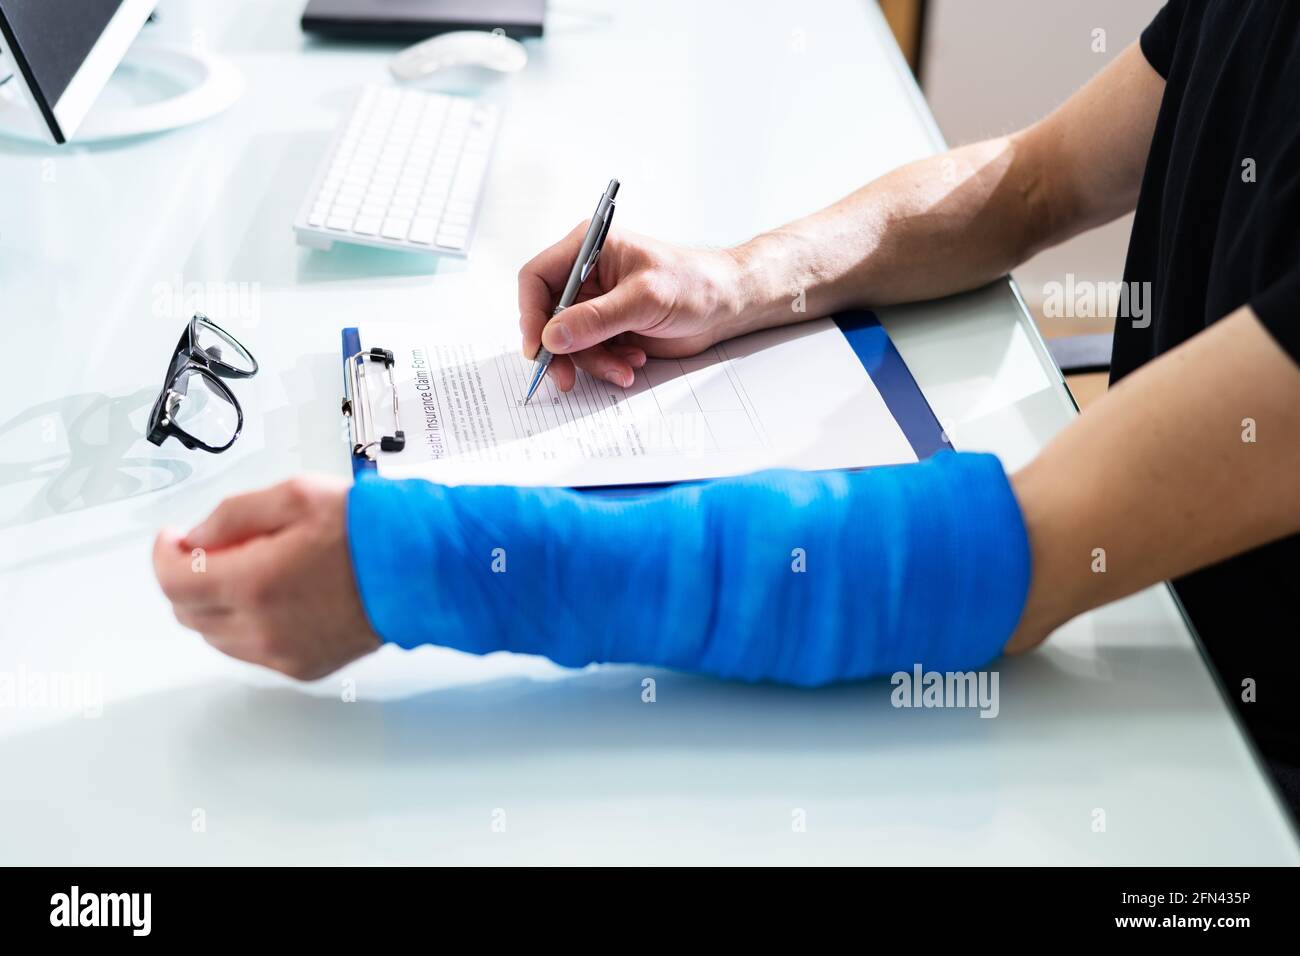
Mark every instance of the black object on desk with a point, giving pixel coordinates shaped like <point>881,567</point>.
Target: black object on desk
<point>1077,354</point>
<point>412,20</point>
<point>195,407</point>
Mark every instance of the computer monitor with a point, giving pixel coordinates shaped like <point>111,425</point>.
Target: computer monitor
<point>62,52</point>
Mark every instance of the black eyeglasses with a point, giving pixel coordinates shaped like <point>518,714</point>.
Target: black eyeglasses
<point>195,406</point>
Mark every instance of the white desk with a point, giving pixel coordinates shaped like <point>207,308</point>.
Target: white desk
<point>720,124</point>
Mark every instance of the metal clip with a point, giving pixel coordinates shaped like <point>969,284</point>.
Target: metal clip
<point>356,406</point>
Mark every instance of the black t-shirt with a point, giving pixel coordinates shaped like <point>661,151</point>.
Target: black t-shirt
<point>1218,227</point>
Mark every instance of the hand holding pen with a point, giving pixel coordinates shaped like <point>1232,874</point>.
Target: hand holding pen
<point>641,297</point>
<point>593,241</point>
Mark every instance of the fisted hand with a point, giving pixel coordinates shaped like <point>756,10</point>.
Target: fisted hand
<point>643,298</point>
<point>267,578</point>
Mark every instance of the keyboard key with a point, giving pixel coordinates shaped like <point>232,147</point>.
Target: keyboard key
<point>465,192</point>
<point>366,225</point>
<point>422,231</point>
<point>395,228</point>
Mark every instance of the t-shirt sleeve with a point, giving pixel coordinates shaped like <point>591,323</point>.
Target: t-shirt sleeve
<point>1276,280</point>
<point>1278,308</point>
<point>1161,36</point>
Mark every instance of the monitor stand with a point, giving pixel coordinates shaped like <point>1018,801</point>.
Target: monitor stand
<point>193,86</point>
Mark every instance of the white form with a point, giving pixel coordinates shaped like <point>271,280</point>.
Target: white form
<point>794,397</point>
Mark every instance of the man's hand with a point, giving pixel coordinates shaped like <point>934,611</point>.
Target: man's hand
<point>644,298</point>
<point>267,578</point>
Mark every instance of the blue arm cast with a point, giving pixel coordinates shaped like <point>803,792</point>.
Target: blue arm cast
<point>796,577</point>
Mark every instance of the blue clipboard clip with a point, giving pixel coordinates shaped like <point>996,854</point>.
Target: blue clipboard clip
<point>367,438</point>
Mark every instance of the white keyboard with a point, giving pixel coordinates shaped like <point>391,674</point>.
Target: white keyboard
<point>405,171</point>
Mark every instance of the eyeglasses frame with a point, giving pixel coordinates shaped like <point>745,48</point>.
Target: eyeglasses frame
<point>186,357</point>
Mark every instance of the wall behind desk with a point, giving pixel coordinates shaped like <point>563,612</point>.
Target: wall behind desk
<point>993,66</point>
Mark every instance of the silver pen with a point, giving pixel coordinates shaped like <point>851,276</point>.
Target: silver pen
<point>589,252</point>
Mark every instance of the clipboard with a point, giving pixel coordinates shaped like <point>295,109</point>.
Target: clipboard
<point>371,436</point>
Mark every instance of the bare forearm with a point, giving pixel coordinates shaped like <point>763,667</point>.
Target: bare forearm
<point>958,220</point>
<point>1187,462</point>
<point>936,226</point>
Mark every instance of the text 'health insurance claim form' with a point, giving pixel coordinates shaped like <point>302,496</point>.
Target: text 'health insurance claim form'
<point>794,397</point>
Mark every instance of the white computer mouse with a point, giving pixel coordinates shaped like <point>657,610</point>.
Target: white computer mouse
<point>465,48</point>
